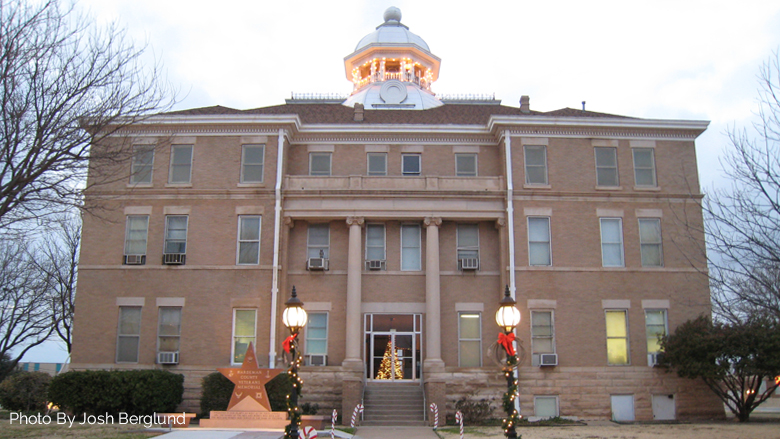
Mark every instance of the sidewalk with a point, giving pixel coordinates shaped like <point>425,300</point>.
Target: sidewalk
<point>362,433</point>
<point>395,433</point>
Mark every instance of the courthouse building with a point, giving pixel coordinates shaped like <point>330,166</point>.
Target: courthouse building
<point>400,216</point>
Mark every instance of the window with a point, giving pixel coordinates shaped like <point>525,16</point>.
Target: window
<point>644,167</point>
<point>650,242</point>
<point>319,163</point>
<point>375,242</point>
<point>168,329</point>
<point>410,248</point>
<point>319,240</point>
<point>655,323</point>
<point>181,164</point>
<point>377,163</point>
<point>466,165</point>
<point>611,242</point>
<point>539,241</point>
<point>316,338</point>
<point>175,234</point>
<point>410,164</point>
<point>136,234</point>
<point>249,239</point>
<point>542,335</point>
<point>244,327</point>
<point>546,406</point>
<point>468,241</point>
<point>617,337</point>
<point>469,339</point>
<point>536,165</point>
<point>252,161</point>
<point>142,165</point>
<point>606,167</point>
<point>128,334</point>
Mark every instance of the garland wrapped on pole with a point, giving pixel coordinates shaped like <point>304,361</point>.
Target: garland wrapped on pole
<point>512,418</point>
<point>291,431</point>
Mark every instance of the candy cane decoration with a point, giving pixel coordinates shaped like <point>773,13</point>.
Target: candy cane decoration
<point>333,424</point>
<point>435,410</point>
<point>459,420</point>
<point>309,432</point>
<point>358,408</point>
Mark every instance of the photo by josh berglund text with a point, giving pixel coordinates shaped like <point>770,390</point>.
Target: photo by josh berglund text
<point>61,418</point>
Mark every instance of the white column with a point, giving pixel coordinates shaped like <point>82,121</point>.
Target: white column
<point>432,296</point>
<point>354,293</point>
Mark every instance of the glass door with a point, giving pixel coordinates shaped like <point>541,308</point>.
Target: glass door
<point>393,347</point>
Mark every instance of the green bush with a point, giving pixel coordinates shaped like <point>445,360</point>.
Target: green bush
<point>25,391</point>
<point>217,390</point>
<point>135,392</point>
<point>474,412</point>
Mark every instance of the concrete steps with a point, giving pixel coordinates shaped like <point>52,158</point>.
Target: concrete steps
<point>397,404</point>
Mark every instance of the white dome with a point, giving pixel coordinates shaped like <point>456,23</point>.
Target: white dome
<point>392,32</point>
<point>379,96</point>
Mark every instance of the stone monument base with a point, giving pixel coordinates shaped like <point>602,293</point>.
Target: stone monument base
<point>242,419</point>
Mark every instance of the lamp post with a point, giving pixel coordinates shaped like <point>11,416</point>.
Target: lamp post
<point>508,317</point>
<point>294,317</point>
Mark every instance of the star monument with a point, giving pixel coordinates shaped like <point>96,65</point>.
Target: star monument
<point>250,381</point>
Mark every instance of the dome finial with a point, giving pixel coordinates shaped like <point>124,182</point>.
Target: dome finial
<point>392,14</point>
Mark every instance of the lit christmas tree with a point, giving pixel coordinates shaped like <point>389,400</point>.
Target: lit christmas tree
<point>389,362</point>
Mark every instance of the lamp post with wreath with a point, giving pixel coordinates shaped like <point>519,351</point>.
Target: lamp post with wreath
<point>295,318</point>
<point>508,317</point>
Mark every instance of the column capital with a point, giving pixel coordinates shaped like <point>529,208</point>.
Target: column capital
<point>500,223</point>
<point>432,220</point>
<point>355,220</point>
<point>289,222</point>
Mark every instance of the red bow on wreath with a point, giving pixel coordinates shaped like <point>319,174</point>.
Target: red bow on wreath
<point>506,340</point>
<point>288,341</point>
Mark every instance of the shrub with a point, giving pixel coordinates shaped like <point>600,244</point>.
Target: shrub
<point>278,389</point>
<point>135,392</point>
<point>217,390</point>
<point>308,408</point>
<point>25,391</point>
<point>474,412</point>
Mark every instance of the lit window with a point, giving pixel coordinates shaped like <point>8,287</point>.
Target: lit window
<point>252,161</point>
<point>539,241</point>
<point>316,338</point>
<point>469,339</point>
<point>377,163</point>
<point>644,167</point>
<point>168,329</point>
<point>546,406</point>
<point>611,242</point>
<point>410,164</point>
<point>142,165</point>
<point>181,164</point>
<point>650,242</point>
<point>536,165</point>
<point>176,234</point>
<point>249,239</point>
<point>319,163</point>
<point>318,245</point>
<point>606,167</point>
<point>655,323</point>
<point>410,248</point>
<point>617,337</point>
<point>466,165</point>
<point>128,334</point>
<point>542,335</point>
<point>136,232</point>
<point>244,327</point>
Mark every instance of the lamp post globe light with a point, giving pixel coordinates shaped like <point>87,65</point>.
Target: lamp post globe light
<point>508,317</point>
<point>295,318</point>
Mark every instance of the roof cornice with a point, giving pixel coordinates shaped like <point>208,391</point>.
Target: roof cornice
<point>597,126</point>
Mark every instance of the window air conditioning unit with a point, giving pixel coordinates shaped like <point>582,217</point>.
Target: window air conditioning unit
<point>317,264</point>
<point>548,359</point>
<point>469,264</point>
<point>375,264</point>
<point>135,259</point>
<point>316,360</point>
<point>168,357</point>
<point>174,258</point>
<point>655,359</point>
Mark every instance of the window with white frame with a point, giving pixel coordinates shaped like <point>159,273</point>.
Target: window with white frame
<point>469,339</point>
<point>546,406</point>
<point>244,331</point>
<point>319,163</point>
<point>536,164</point>
<point>175,234</point>
<point>128,334</point>
<point>136,231</point>
<point>318,241</point>
<point>542,335</point>
<point>539,241</point>
<point>611,242</point>
<point>375,242</point>
<point>316,339</point>
<point>142,164</point>
<point>181,164</point>
<point>411,164</point>
<point>466,165</point>
<point>410,247</point>
<point>252,163</point>
<point>248,239</point>
<point>617,337</point>
<point>650,243</point>
<point>606,167</point>
<point>377,163</point>
<point>168,328</point>
<point>656,326</point>
<point>644,167</point>
<point>468,241</point>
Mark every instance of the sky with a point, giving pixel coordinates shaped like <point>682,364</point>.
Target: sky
<point>682,59</point>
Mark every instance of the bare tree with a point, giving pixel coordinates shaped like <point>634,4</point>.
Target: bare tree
<point>66,84</point>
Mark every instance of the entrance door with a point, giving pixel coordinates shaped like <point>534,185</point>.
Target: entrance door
<point>663,407</point>
<point>393,347</point>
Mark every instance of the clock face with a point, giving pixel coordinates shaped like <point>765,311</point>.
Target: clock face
<point>393,92</point>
